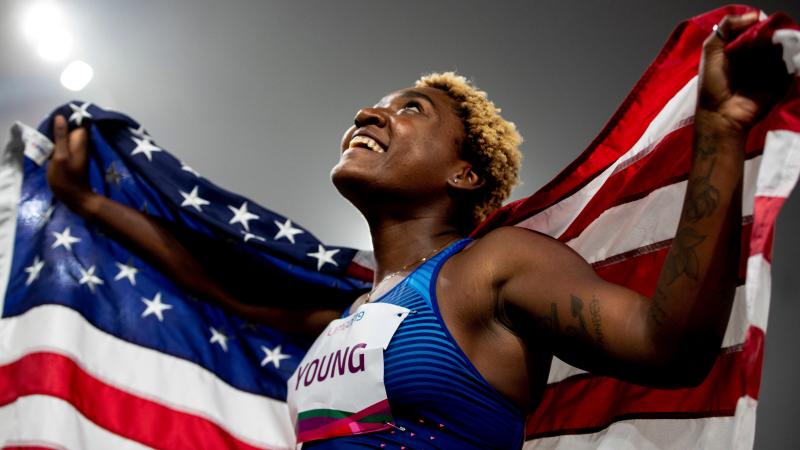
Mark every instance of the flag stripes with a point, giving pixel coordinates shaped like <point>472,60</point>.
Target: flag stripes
<point>58,425</point>
<point>119,364</point>
<point>597,401</point>
<point>711,433</point>
<point>156,425</point>
<point>73,372</point>
<point>622,219</point>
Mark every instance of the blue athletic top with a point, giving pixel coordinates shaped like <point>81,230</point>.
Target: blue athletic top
<point>438,399</point>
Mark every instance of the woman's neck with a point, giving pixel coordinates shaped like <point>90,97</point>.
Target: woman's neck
<point>400,245</point>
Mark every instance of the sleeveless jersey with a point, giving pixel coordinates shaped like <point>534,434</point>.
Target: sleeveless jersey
<point>437,397</point>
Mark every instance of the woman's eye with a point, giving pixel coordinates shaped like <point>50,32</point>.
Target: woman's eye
<point>412,107</point>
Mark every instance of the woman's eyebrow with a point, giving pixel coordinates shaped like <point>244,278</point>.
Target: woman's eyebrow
<point>415,94</point>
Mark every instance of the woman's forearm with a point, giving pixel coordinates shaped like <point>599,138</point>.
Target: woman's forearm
<point>692,302</point>
<point>151,240</point>
<point>161,248</point>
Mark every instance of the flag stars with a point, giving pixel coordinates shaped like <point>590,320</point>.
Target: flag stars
<point>286,230</point>
<point>79,113</point>
<point>139,132</point>
<point>144,146</point>
<point>112,175</point>
<point>248,235</point>
<point>324,256</point>
<point>155,307</point>
<point>34,270</point>
<point>242,215</point>
<point>218,337</point>
<point>64,239</point>
<point>186,168</point>
<point>194,200</point>
<point>89,278</point>
<point>274,356</point>
<point>126,271</point>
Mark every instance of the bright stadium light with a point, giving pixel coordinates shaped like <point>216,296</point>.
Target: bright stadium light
<point>55,46</point>
<point>76,75</point>
<point>45,25</point>
<point>41,17</point>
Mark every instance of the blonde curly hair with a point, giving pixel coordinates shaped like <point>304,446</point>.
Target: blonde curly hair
<point>491,143</point>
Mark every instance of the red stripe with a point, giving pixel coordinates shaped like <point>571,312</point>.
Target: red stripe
<point>674,66</point>
<point>587,403</point>
<point>765,212</point>
<point>665,165</point>
<point>358,271</point>
<point>117,411</point>
<point>662,167</point>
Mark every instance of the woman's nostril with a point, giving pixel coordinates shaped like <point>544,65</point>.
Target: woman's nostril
<point>369,116</point>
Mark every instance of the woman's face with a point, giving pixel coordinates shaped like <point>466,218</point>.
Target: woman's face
<point>404,147</point>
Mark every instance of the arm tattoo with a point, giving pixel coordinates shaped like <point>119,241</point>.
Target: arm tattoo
<point>703,198</point>
<point>576,310</point>
<point>548,325</point>
<point>682,260</point>
<point>581,330</point>
<point>594,310</point>
<point>656,310</point>
<point>705,147</point>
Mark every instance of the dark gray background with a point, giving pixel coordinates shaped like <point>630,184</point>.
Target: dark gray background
<point>256,94</point>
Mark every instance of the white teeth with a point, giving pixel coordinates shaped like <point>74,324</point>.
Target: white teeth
<point>368,141</point>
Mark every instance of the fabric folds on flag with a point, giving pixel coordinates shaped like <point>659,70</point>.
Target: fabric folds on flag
<point>100,350</point>
<point>618,205</point>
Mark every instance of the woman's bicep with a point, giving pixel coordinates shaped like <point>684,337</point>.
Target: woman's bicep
<point>550,293</point>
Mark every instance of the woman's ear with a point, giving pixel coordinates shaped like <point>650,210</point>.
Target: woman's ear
<point>466,179</point>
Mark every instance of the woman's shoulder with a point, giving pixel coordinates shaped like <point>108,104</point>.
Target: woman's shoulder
<point>504,249</point>
<point>506,242</point>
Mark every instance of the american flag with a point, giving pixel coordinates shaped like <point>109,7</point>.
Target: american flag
<point>618,205</point>
<point>99,350</point>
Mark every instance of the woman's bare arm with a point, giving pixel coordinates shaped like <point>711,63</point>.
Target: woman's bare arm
<point>67,178</point>
<point>674,337</point>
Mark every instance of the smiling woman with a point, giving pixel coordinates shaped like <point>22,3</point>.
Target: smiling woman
<point>467,120</point>
<point>453,345</point>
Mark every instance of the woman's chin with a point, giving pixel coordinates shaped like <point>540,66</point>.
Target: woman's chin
<point>348,179</point>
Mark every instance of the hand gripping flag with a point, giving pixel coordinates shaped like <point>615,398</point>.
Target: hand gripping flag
<point>99,350</point>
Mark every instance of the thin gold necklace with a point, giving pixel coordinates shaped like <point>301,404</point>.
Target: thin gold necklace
<point>406,267</point>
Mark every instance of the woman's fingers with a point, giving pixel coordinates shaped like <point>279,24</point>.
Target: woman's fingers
<point>77,148</point>
<point>714,70</point>
<point>61,136</point>
<point>728,29</point>
<point>70,147</point>
<point>731,27</point>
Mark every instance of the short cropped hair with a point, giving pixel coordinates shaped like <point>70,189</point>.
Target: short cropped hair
<point>491,144</point>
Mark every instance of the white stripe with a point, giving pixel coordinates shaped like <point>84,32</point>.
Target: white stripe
<point>648,220</point>
<point>37,146</point>
<point>758,287</point>
<point>554,220</point>
<point>781,164</point>
<point>365,259</point>
<point>10,186</point>
<point>52,422</point>
<point>172,381</point>
<point>713,433</point>
<point>790,41</point>
<point>559,371</point>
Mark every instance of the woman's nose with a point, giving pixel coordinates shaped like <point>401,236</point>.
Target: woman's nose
<point>370,116</point>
